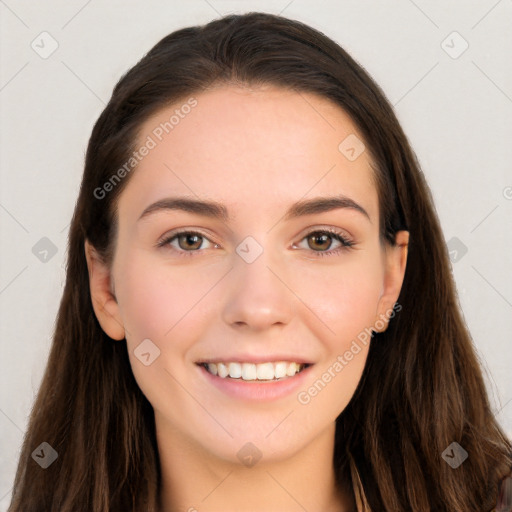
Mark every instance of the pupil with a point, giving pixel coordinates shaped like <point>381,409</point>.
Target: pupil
<point>317,237</point>
<point>191,239</point>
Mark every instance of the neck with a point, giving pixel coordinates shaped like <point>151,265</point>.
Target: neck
<point>195,481</point>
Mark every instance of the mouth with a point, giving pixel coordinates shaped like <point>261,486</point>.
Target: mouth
<point>254,372</point>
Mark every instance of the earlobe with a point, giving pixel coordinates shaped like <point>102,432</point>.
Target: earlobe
<point>396,262</point>
<point>104,301</point>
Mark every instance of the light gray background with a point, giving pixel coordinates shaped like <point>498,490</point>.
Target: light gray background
<point>456,112</point>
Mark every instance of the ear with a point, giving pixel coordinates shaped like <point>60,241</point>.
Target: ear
<point>104,301</point>
<point>395,263</point>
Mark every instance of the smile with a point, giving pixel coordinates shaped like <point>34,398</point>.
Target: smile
<point>256,382</point>
<point>255,372</point>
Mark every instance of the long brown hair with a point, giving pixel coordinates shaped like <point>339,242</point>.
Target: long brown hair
<point>422,387</point>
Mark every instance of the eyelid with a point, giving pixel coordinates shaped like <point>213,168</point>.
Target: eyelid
<point>331,229</point>
<point>165,239</point>
<point>346,240</point>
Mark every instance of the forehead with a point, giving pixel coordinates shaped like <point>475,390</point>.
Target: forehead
<point>249,148</point>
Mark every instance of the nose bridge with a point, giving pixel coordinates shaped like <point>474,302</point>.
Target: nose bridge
<point>258,297</point>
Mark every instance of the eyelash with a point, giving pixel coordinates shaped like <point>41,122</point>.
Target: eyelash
<point>345,243</point>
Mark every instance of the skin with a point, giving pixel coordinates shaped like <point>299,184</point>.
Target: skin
<point>256,152</point>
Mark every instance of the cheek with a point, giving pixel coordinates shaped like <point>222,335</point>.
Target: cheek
<point>163,304</point>
<point>343,298</point>
<point>159,301</point>
<point>146,302</point>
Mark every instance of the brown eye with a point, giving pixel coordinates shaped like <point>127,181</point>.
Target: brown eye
<point>320,241</point>
<point>188,241</point>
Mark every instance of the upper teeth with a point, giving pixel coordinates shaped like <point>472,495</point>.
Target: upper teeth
<point>250,371</point>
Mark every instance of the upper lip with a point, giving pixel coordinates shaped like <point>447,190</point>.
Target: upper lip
<point>255,359</point>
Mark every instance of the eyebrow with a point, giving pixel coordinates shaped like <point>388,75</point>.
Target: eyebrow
<point>218,211</point>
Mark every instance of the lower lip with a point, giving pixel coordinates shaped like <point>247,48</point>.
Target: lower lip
<point>259,391</point>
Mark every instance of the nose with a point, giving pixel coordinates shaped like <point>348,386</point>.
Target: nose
<point>258,295</point>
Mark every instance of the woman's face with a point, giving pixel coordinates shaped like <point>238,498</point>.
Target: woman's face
<point>255,281</point>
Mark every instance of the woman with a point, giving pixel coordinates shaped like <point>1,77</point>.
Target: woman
<point>208,355</point>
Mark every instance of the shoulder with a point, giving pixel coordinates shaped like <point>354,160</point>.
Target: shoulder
<point>504,503</point>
